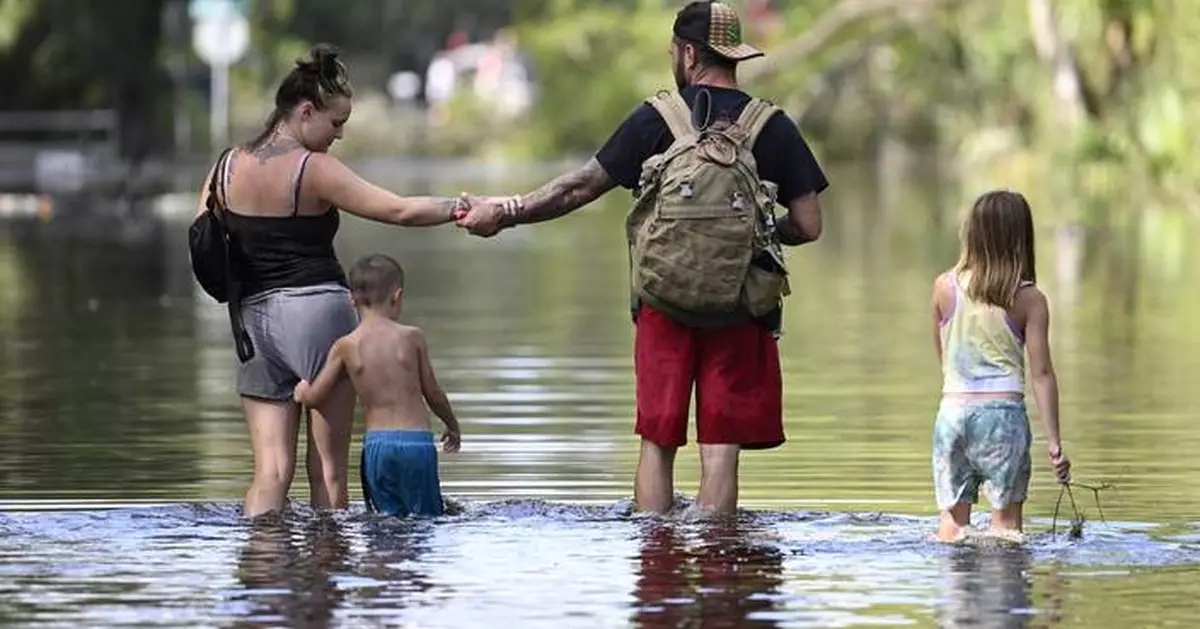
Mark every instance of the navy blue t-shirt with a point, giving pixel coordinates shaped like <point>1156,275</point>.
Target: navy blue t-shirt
<point>782,154</point>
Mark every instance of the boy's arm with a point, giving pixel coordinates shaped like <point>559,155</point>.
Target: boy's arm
<point>1044,380</point>
<point>434,395</point>
<point>312,395</point>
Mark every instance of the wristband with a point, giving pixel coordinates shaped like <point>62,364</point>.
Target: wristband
<point>511,207</point>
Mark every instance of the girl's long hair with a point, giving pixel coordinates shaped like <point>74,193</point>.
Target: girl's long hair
<point>997,248</point>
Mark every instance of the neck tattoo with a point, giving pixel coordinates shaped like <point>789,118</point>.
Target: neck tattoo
<point>280,142</point>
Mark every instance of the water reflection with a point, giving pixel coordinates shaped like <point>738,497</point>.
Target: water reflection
<point>396,550</point>
<point>547,564</point>
<point>116,385</point>
<point>92,357</point>
<point>287,571</point>
<point>987,587</point>
<point>710,575</point>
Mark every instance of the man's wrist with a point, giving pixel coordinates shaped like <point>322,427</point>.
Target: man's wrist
<point>510,211</point>
<point>787,233</point>
<point>1054,450</point>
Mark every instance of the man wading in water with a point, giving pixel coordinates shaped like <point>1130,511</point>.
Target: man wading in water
<point>707,269</point>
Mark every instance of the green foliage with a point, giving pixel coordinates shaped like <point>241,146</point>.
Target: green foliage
<point>596,61</point>
<point>966,75</point>
<point>58,54</point>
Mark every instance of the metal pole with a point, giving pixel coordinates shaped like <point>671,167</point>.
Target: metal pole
<point>219,106</point>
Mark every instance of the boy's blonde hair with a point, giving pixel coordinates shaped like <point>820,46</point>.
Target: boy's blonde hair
<point>997,248</point>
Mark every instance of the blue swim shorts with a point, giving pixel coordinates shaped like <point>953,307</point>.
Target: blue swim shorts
<point>981,443</point>
<point>400,473</point>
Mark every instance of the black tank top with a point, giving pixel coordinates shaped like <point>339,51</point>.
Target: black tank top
<point>272,252</point>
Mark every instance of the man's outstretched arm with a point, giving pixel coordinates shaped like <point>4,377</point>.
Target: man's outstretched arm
<point>559,197</point>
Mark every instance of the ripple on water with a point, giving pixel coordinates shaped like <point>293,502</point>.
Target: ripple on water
<point>542,563</point>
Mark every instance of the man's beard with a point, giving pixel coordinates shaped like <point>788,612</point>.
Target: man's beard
<point>680,79</point>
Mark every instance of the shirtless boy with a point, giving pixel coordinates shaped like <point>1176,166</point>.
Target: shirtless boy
<point>388,364</point>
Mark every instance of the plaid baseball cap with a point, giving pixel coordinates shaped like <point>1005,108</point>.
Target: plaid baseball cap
<point>716,26</point>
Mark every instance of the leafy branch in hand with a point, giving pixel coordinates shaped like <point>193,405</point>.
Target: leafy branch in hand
<point>1077,519</point>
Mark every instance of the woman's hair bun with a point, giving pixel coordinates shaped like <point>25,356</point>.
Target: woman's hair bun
<point>323,63</point>
<point>325,58</point>
<point>327,74</point>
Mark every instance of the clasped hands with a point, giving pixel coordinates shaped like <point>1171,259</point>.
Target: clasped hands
<point>486,216</point>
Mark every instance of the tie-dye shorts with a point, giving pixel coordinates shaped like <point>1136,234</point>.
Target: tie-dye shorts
<point>981,443</point>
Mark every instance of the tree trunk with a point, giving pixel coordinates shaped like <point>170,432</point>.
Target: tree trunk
<point>1057,53</point>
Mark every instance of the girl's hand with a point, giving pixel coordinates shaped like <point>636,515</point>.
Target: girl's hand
<point>1062,465</point>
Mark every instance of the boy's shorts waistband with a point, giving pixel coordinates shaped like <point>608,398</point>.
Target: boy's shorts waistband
<point>414,437</point>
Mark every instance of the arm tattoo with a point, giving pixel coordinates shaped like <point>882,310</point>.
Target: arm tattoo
<point>448,206</point>
<point>564,194</point>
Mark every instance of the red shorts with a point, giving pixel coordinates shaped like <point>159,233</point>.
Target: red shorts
<point>739,388</point>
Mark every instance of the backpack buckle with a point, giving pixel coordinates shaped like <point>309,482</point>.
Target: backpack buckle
<point>739,202</point>
<point>685,190</point>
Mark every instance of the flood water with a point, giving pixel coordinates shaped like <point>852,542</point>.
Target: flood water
<point>123,455</point>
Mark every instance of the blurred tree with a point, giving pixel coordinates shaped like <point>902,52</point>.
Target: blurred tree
<point>1094,89</point>
<point>1089,94</point>
<point>379,36</point>
<point>64,54</point>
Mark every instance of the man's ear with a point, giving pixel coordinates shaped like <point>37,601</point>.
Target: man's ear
<point>689,55</point>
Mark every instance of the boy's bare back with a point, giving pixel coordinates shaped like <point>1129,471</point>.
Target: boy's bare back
<point>389,365</point>
<point>388,362</point>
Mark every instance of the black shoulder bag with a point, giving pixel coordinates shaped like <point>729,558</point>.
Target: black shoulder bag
<point>210,244</point>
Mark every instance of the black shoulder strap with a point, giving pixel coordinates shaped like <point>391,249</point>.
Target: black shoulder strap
<point>296,185</point>
<point>214,202</point>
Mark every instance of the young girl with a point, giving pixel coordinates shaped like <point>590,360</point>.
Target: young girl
<point>987,312</point>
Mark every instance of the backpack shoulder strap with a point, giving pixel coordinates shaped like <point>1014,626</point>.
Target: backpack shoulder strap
<point>754,118</point>
<point>674,111</point>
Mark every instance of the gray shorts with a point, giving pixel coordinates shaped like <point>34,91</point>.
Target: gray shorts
<point>292,330</point>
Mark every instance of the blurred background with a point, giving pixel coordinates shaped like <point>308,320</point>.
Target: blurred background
<point>1094,95</point>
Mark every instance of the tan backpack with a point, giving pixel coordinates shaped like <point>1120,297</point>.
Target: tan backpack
<point>701,234</point>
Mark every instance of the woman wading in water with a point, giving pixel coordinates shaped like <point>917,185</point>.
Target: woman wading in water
<point>281,196</point>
